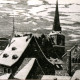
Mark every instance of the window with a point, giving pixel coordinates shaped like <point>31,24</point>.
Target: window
<point>5,55</point>
<point>1,70</point>
<point>7,70</point>
<point>14,57</point>
<point>14,48</point>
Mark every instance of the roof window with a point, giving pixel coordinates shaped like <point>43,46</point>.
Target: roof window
<point>5,55</point>
<point>14,57</point>
<point>26,39</point>
<point>14,48</point>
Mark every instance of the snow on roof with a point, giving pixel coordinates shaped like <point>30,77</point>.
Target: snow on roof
<point>54,33</point>
<point>23,73</point>
<point>76,75</point>
<point>24,63</point>
<point>56,61</point>
<point>13,52</point>
<point>51,77</point>
<point>5,76</point>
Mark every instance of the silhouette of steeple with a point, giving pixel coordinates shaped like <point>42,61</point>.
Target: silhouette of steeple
<point>56,25</point>
<point>12,35</point>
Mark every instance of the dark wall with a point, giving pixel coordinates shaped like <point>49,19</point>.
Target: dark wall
<point>58,51</point>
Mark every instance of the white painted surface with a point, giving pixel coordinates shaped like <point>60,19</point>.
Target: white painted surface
<point>76,75</point>
<point>5,76</point>
<point>23,73</point>
<point>52,77</point>
<point>20,43</point>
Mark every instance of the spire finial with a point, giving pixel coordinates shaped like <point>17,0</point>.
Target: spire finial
<point>56,25</point>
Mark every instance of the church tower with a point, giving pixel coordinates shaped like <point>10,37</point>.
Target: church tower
<point>56,34</point>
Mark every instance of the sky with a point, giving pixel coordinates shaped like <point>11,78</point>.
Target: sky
<point>53,1</point>
<point>40,1</point>
<point>36,15</point>
<point>65,1</point>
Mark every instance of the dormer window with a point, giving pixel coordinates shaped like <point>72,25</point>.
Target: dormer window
<point>7,70</point>
<point>5,55</point>
<point>14,57</point>
<point>14,48</point>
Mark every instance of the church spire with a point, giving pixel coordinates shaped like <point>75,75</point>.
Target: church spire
<point>56,25</point>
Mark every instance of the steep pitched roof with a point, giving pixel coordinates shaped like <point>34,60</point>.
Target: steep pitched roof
<point>13,52</point>
<point>23,73</point>
<point>51,77</point>
<point>32,70</point>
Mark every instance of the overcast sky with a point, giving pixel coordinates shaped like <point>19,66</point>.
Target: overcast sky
<point>33,1</point>
<point>60,1</point>
<point>34,15</point>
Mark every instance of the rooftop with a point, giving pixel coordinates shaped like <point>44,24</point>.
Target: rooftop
<point>23,73</point>
<point>5,76</point>
<point>54,77</point>
<point>13,52</point>
<point>76,75</point>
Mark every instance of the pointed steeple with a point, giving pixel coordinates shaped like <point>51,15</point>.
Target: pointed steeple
<point>12,35</point>
<point>56,25</point>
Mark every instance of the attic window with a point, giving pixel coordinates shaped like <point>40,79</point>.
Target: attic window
<point>5,55</point>
<point>14,48</point>
<point>27,39</point>
<point>14,57</point>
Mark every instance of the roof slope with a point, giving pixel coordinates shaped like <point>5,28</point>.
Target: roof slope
<point>5,76</point>
<point>32,70</point>
<point>16,49</point>
<point>76,75</point>
<point>23,73</point>
<point>51,77</point>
